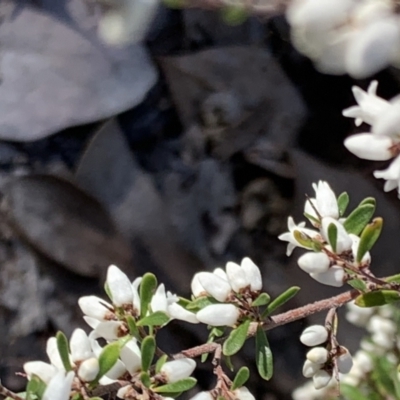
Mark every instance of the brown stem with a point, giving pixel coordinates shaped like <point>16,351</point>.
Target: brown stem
<point>280,319</point>
<point>9,393</point>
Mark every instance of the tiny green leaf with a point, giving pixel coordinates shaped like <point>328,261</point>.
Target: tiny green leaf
<point>332,236</point>
<point>358,284</point>
<point>359,219</point>
<point>280,300</point>
<point>234,15</point>
<point>377,298</point>
<point>303,239</point>
<point>228,363</point>
<point>174,3</point>
<point>147,289</point>
<point>236,339</point>
<point>262,300</point>
<point>200,303</point>
<point>368,237</point>
<point>63,349</point>
<point>133,330</point>
<point>180,386</point>
<point>368,200</point>
<point>312,219</point>
<point>264,358</point>
<point>159,318</point>
<point>145,378</point>
<point>351,392</point>
<point>393,278</point>
<point>108,357</point>
<point>35,388</point>
<point>343,202</point>
<point>148,349</point>
<point>241,378</point>
<point>160,362</point>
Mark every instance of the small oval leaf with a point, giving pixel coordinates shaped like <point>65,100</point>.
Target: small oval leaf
<point>303,239</point>
<point>147,289</point>
<point>262,300</point>
<point>108,357</point>
<point>63,349</point>
<point>241,378</point>
<point>377,298</point>
<point>332,236</point>
<point>148,349</point>
<point>343,202</point>
<point>160,362</point>
<point>280,300</point>
<point>368,237</point>
<point>359,219</point>
<point>264,359</point>
<point>180,386</point>
<point>236,339</point>
<point>159,318</point>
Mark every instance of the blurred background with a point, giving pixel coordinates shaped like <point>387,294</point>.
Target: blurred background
<point>174,155</point>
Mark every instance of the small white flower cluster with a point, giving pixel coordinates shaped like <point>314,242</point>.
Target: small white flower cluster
<point>127,21</point>
<point>323,263</point>
<point>241,393</point>
<point>237,284</point>
<point>320,362</point>
<point>383,141</point>
<point>358,37</point>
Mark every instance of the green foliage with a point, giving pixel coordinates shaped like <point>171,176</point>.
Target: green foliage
<point>264,359</point>
<point>377,298</point>
<point>234,15</point>
<point>158,318</point>
<point>359,218</point>
<point>332,236</point>
<point>147,289</point>
<point>262,300</point>
<point>343,202</point>
<point>241,378</point>
<point>148,349</point>
<point>108,357</point>
<point>35,388</point>
<point>368,237</point>
<point>281,300</point>
<point>63,349</point>
<point>176,387</point>
<point>236,339</point>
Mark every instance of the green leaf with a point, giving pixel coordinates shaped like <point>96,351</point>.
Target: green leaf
<point>234,15</point>
<point>351,392</point>
<point>280,300</point>
<point>368,200</point>
<point>312,219</point>
<point>264,358</point>
<point>147,289</point>
<point>236,339</point>
<point>241,378</point>
<point>377,298</point>
<point>303,239</point>
<point>159,318</point>
<point>133,330</point>
<point>148,349</point>
<point>63,349</point>
<point>145,378</point>
<point>358,284</point>
<point>108,357</point>
<point>181,386</point>
<point>262,300</point>
<point>228,363</point>
<point>393,279</point>
<point>343,202</point>
<point>160,362</point>
<point>175,3</point>
<point>359,219</point>
<point>368,237</point>
<point>382,377</point>
<point>35,388</point>
<point>200,303</point>
<point>332,236</point>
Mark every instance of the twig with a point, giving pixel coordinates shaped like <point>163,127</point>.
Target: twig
<point>9,393</point>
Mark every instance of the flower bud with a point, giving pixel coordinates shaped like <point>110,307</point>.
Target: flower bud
<point>343,240</point>
<point>119,285</point>
<point>59,387</point>
<point>318,355</point>
<point>159,300</point>
<point>80,345</point>
<point>236,276</point>
<point>243,393</point>
<point>253,274</point>
<point>310,368</point>
<point>131,356</point>
<point>333,277</point>
<point>43,370</point>
<point>178,369</point>
<point>94,307</point>
<point>326,200</point>
<point>176,311</point>
<point>314,335</point>
<point>217,287</point>
<point>219,315</point>
<point>344,361</point>
<point>314,263</point>
<point>321,379</point>
<point>369,147</point>
<point>89,369</point>
<point>383,325</point>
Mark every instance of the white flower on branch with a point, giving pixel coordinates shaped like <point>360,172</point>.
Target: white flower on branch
<point>219,315</point>
<point>314,335</point>
<point>119,286</point>
<point>321,379</point>
<point>344,361</point>
<point>176,370</point>
<point>59,387</point>
<point>41,369</point>
<point>343,240</point>
<point>312,262</point>
<point>88,369</point>
<point>333,277</point>
<point>318,355</point>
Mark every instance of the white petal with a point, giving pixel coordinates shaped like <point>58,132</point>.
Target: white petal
<point>333,277</point>
<point>176,311</point>
<point>94,307</point>
<point>80,346</point>
<point>310,368</point>
<point>343,242</point>
<point>321,379</point>
<point>119,285</point>
<point>89,369</point>
<point>43,370</point>
<point>345,361</point>
<point>159,300</point>
<point>59,388</point>
<point>236,276</point>
<point>326,201</point>
<point>243,393</point>
<point>391,173</point>
<point>318,355</point>
<point>312,262</point>
<point>370,147</point>
<point>314,335</point>
<point>253,274</point>
<point>217,287</point>
<point>202,396</point>
<point>53,353</point>
<point>131,356</point>
<point>136,297</point>
<point>109,330</point>
<point>178,369</point>
<point>219,315</point>
<point>196,287</point>
<point>221,273</point>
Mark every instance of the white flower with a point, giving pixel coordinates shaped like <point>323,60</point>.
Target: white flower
<point>53,353</point>
<point>202,396</point>
<point>370,106</point>
<point>358,316</point>
<point>109,330</point>
<point>370,147</point>
<point>131,356</point>
<point>243,393</point>
<point>383,325</point>
<point>311,262</point>
<point>318,355</point>
<point>344,361</point>
<point>41,369</point>
<point>253,274</point>
<point>119,286</point>
<point>289,236</point>
<point>89,369</point>
<point>326,200</point>
<point>343,240</point>
<point>314,335</point>
<point>176,311</point>
<point>59,388</point>
<point>333,277</point>
<point>219,315</point>
<point>95,307</point>
<point>363,361</point>
<point>391,175</point>
<point>388,122</point>
<point>159,300</point>
<point>135,294</point>
<point>310,368</point>
<point>217,287</point>
<point>178,369</point>
<point>321,379</point>
<point>237,276</point>
<point>354,249</point>
<point>80,346</point>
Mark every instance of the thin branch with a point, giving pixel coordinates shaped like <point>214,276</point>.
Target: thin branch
<point>8,393</point>
<point>279,320</point>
